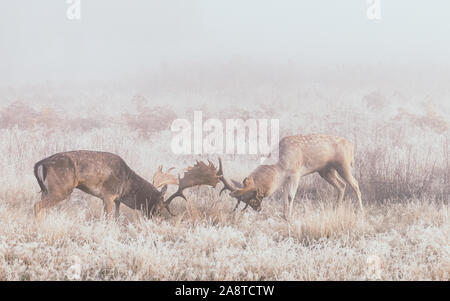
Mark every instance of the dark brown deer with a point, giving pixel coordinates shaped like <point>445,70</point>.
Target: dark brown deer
<point>108,177</point>
<point>101,174</point>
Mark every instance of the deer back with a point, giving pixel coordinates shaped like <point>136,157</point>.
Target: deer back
<point>312,152</point>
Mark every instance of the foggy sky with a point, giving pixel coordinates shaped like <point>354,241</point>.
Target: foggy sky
<point>115,38</point>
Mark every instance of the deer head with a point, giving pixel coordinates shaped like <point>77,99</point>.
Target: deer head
<point>159,203</point>
<point>247,193</point>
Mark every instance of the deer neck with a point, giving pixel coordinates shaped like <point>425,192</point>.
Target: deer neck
<point>268,178</point>
<point>139,190</point>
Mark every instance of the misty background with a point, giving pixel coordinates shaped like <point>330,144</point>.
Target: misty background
<point>291,60</point>
<point>116,39</point>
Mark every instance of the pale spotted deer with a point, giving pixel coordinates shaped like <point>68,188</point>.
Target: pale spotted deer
<point>108,177</point>
<point>332,157</point>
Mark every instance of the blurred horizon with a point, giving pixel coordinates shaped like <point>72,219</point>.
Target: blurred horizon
<point>116,40</point>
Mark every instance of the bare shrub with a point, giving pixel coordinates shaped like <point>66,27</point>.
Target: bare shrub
<point>149,119</point>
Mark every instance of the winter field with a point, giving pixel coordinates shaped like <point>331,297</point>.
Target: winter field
<point>400,128</point>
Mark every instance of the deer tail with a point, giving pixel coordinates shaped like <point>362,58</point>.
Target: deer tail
<point>40,173</point>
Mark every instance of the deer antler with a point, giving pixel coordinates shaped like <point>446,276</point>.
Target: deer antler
<point>226,185</point>
<point>199,174</point>
<point>161,178</point>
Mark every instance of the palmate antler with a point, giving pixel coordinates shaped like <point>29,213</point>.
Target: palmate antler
<point>199,174</point>
<point>161,178</point>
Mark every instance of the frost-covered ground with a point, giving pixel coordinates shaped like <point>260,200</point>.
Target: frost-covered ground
<point>399,126</point>
<point>395,241</point>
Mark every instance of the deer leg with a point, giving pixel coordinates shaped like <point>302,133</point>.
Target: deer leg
<point>292,192</point>
<point>108,203</point>
<point>117,213</point>
<point>285,200</point>
<point>39,209</point>
<point>48,200</point>
<point>237,205</point>
<point>343,185</point>
<point>289,192</point>
<point>331,176</point>
<point>345,173</point>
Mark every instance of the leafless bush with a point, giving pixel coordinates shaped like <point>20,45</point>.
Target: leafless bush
<point>148,119</point>
<point>20,115</point>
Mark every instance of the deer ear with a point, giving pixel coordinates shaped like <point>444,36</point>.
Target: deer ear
<point>163,189</point>
<point>248,181</point>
